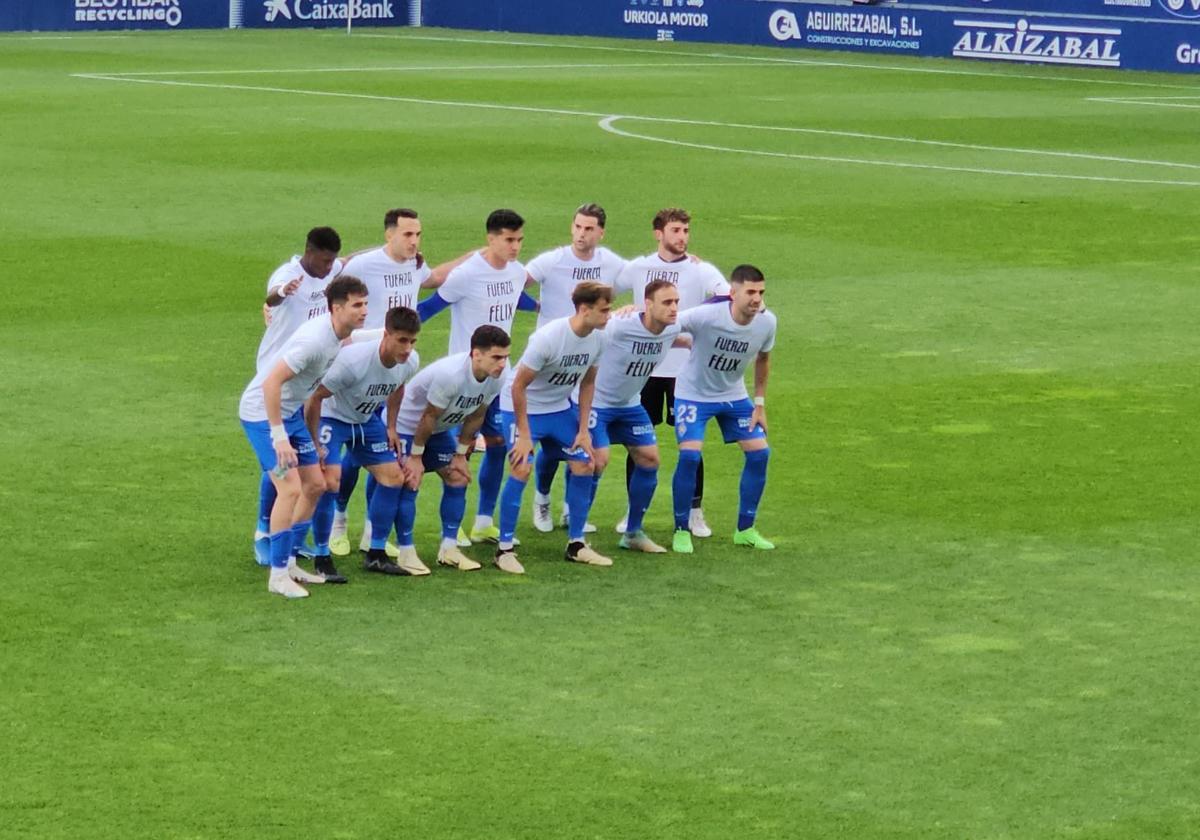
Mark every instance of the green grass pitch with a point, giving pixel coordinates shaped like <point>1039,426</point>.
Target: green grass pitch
<point>981,621</point>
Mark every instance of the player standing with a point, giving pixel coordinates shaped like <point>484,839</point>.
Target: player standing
<point>557,272</point>
<point>559,356</point>
<point>486,289</point>
<point>696,281</point>
<point>295,295</point>
<point>394,273</point>
<point>633,346</point>
<point>443,409</point>
<point>270,411</point>
<point>725,337</point>
<point>344,411</point>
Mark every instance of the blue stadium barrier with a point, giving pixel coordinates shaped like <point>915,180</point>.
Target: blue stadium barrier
<point>1128,34</point>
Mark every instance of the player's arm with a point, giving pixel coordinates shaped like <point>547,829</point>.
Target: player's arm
<point>276,295</point>
<point>391,413</point>
<point>272,389</point>
<point>523,445</point>
<point>312,416</point>
<point>587,390</point>
<point>414,464</point>
<point>762,369</point>
<point>437,276</point>
<point>466,442</point>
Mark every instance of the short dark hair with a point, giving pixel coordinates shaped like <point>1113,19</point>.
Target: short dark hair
<point>671,214</point>
<point>402,319</point>
<point>499,220</point>
<point>391,217</point>
<point>342,287</point>
<point>323,239</point>
<point>593,210</point>
<point>489,336</point>
<point>656,286</point>
<point>746,273</point>
<point>589,293</point>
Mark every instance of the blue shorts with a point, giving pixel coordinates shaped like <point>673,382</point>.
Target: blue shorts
<point>439,449</point>
<point>366,442</point>
<point>627,426</point>
<point>691,418</point>
<point>493,422</point>
<point>259,434</point>
<point>556,432</point>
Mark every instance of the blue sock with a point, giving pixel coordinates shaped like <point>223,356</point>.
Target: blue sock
<point>754,479</point>
<point>491,474</point>
<point>510,508</point>
<point>281,548</point>
<point>595,487</point>
<point>382,511</point>
<point>300,534</point>
<point>406,515</point>
<point>642,485</point>
<point>454,507</point>
<point>579,500</point>
<point>544,468</point>
<point>266,501</point>
<point>349,482</point>
<point>683,485</point>
<point>323,523</point>
<point>371,485</point>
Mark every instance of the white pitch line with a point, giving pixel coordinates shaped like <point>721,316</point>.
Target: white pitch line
<point>412,68</point>
<point>854,135</point>
<point>810,62</point>
<point>607,125</point>
<point>1145,101</point>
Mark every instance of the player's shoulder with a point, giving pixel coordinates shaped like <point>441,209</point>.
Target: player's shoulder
<point>768,319</point>
<point>291,267</point>
<point>360,258</point>
<point>413,362</point>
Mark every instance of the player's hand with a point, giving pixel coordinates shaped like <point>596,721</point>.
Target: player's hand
<point>521,450</point>
<point>393,441</point>
<point>266,315</point>
<point>583,441</point>
<point>285,455</point>
<point>290,287</point>
<point>322,454</point>
<point>758,418</point>
<point>414,471</point>
<point>625,311</point>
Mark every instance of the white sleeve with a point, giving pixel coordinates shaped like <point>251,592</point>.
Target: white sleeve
<point>769,344</point>
<point>611,266</point>
<point>339,376</point>
<point>298,354</point>
<point>538,352</point>
<point>441,392</point>
<point>624,282</point>
<point>714,282</point>
<point>538,267</point>
<point>359,336</point>
<point>455,287</point>
<point>689,319</point>
<point>280,277</point>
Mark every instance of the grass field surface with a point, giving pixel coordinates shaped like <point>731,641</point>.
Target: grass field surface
<point>981,620</point>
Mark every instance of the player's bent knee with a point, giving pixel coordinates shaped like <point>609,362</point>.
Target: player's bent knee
<point>754,444</point>
<point>646,458</point>
<point>599,461</point>
<point>521,472</point>
<point>582,467</point>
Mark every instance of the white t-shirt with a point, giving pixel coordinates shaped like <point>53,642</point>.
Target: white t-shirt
<point>560,358</point>
<point>449,384</point>
<point>479,294</point>
<point>306,303</point>
<point>558,272</point>
<point>360,383</point>
<point>695,282</point>
<point>308,354</point>
<point>389,283</point>
<point>722,351</point>
<point>631,353</point>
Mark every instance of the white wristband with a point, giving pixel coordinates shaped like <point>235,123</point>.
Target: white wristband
<point>278,433</point>
<point>760,401</point>
<point>416,450</point>
<point>463,448</point>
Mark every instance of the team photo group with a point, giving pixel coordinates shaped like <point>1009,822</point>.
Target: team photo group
<point>341,388</point>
